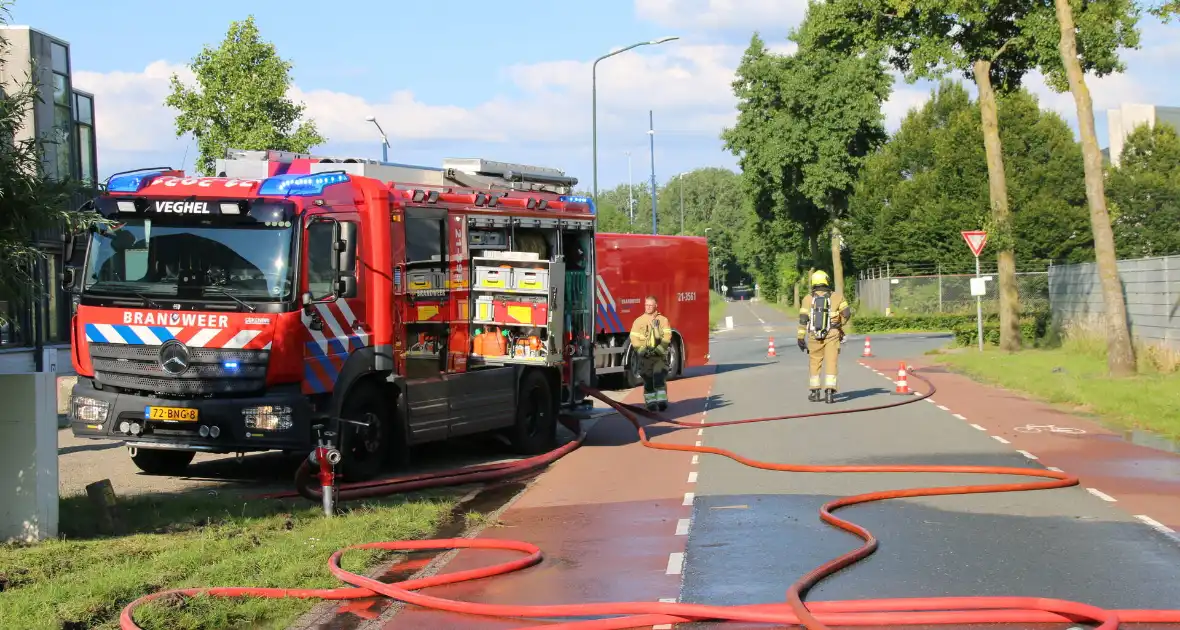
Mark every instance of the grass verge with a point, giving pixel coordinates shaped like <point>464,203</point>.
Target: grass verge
<point>1076,378</point>
<point>716,309</point>
<point>200,539</point>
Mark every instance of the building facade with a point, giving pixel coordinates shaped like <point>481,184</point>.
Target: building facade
<point>1121,122</point>
<point>64,121</point>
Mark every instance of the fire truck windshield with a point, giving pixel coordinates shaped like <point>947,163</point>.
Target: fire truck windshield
<point>143,258</point>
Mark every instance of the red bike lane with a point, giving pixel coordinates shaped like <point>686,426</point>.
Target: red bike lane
<point>1143,481</point>
<point>610,518</point>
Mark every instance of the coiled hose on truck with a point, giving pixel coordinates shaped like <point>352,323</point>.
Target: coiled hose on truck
<point>884,613</point>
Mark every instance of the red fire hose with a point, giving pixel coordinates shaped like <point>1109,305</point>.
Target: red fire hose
<point>814,616</point>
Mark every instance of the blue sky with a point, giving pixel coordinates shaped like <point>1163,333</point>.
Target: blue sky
<point>503,81</point>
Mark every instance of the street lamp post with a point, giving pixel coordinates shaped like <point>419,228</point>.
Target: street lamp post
<point>384,139</point>
<point>680,176</point>
<point>630,191</point>
<point>651,133</point>
<point>594,99</point>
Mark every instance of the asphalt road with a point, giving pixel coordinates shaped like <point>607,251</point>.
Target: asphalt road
<point>754,532</point>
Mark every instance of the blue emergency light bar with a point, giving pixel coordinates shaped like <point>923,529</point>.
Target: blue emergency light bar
<point>579,199</point>
<point>131,183</point>
<point>300,185</point>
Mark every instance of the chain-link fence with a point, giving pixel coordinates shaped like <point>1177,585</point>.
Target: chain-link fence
<point>881,291</point>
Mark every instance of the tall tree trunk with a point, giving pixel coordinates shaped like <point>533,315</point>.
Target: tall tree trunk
<point>998,189</point>
<point>837,263</point>
<point>798,298</point>
<point>1120,350</point>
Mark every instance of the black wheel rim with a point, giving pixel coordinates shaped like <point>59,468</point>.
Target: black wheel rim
<point>535,412</point>
<point>366,441</point>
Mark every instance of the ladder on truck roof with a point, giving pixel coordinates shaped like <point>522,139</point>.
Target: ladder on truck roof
<point>473,173</point>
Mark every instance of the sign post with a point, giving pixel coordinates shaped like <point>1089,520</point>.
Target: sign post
<point>976,240</point>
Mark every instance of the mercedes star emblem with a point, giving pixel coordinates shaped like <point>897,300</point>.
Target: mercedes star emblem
<point>174,357</point>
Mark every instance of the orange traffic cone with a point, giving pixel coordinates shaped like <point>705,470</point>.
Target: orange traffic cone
<point>903,386</point>
<point>770,351</point>
<point>868,348</point>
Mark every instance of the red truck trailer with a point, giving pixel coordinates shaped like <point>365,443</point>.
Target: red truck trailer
<point>242,312</point>
<point>674,269</point>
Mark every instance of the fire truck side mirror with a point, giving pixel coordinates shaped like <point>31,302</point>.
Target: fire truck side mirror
<point>69,276</point>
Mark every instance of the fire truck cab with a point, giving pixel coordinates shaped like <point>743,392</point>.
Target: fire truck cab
<point>231,314</point>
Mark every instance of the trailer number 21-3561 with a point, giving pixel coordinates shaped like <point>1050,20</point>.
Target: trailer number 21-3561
<point>691,296</point>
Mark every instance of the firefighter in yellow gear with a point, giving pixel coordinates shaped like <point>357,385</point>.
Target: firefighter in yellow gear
<point>822,317</point>
<point>651,337</point>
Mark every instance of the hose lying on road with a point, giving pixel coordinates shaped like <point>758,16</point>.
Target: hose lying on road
<point>814,615</point>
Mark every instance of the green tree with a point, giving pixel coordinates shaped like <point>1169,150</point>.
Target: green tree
<point>1167,10</point>
<point>995,45</point>
<point>32,198</point>
<point>1144,193</point>
<point>1090,21</point>
<point>929,182</point>
<point>805,123</point>
<point>241,100</point>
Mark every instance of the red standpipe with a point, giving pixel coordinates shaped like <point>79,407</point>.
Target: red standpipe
<point>881,613</point>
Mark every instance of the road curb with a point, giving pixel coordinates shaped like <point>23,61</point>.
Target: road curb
<point>323,613</point>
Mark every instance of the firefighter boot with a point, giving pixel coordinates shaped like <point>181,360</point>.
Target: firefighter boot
<point>649,401</point>
<point>813,395</point>
<point>662,399</point>
<point>830,396</point>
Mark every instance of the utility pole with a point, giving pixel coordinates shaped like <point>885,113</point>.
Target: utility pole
<point>681,176</point>
<point>651,132</point>
<point>630,191</point>
<point>594,98</point>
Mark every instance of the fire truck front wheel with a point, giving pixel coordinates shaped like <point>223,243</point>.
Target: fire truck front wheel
<point>365,448</point>
<point>535,430</point>
<point>160,462</point>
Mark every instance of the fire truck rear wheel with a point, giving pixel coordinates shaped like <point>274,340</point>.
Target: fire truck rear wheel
<point>535,431</point>
<point>365,449</point>
<point>158,462</point>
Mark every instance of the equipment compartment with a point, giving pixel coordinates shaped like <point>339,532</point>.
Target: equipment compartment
<point>522,310</point>
<point>493,277</point>
<point>425,280</point>
<point>530,279</point>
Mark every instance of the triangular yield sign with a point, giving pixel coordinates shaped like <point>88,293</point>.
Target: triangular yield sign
<point>975,240</point>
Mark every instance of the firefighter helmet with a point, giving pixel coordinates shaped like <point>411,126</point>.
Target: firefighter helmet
<point>820,278</point>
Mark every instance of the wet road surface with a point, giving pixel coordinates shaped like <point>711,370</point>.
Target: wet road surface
<point>754,532</point>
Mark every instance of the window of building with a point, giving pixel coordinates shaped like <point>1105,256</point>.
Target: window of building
<point>60,58</point>
<point>84,132</point>
<point>63,118</point>
<point>84,106</point>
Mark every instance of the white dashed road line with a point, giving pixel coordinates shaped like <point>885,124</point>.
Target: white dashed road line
<point>1000,439</point>
<point>696,459</point>
<point>1054,469</point>
<point>960,416</point>
<point>976,426</point>
<point>692,477</point>
<point>1027,454</point>
<point>688,497</point>
<point>1154,524</point>
<point>682,527</point>
<point>1101,495</point>
<point>675,563</point>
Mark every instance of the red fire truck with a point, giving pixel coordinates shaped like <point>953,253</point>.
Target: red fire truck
<point>234,313</point>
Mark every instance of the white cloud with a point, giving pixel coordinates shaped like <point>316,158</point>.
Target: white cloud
<point>722,15</point>
<point>686,84</point>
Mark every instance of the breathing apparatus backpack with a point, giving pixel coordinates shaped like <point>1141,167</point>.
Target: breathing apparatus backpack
<point>820,320</point>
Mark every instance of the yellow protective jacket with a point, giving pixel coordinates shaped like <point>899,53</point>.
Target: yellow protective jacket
<point>651,331</point>
<point>838,313</point>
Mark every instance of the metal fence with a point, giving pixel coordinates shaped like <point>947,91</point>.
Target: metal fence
<point>881,291</point>
<point>1151,287</point>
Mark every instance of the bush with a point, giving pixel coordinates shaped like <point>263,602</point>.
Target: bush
<point>932,323</point>
<point>1033,328</point>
